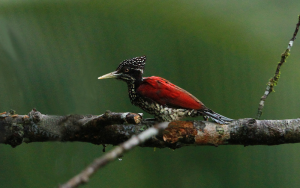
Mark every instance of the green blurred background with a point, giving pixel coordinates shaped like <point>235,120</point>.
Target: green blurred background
<point>223,52</point>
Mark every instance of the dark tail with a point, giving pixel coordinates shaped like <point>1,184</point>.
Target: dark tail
<point>216,117</point>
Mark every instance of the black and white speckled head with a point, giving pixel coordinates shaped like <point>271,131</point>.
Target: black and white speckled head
<point>129,70</point>
<point>137,63</point>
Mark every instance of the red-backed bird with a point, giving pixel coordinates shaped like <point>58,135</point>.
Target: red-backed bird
<point>158,96</point>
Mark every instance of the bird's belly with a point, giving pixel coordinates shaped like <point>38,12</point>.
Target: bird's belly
<point>163,113</point>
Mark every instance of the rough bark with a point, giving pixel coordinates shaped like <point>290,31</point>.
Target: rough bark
<point>115,128</point>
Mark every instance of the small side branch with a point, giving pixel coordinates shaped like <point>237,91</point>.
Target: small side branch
<point>118,151</point>
<point>273,81</point>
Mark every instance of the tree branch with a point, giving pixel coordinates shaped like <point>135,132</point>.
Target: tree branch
<point>37,127</point>
<point>273,81</point>
<point>116,128</point>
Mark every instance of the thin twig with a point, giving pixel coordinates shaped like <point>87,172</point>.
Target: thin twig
<point>118,151</point>
<point>273,81</point>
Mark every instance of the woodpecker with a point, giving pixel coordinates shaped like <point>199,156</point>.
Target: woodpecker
<point>158,96</point>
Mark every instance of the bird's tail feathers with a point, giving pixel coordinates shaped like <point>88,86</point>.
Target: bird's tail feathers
<point>217,117</point>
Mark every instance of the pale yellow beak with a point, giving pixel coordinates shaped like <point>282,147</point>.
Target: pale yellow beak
<point>109,75</point>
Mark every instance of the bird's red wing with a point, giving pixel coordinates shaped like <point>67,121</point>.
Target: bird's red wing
<point>165,93</point>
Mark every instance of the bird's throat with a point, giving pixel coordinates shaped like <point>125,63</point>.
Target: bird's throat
<point>132,91</point>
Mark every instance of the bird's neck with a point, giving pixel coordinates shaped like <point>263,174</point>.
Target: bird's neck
<point>132,86</point>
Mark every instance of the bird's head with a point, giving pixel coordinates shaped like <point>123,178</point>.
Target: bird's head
<point>129,70</point>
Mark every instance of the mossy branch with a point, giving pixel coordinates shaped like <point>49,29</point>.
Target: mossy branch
<point>273,81</point>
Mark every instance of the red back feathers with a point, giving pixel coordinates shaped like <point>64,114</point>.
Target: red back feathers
<point>164,92</point>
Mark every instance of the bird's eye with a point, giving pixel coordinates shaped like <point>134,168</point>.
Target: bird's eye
<point>126,70</point>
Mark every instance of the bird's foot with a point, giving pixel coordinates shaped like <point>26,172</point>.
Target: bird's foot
<point>205,118</point>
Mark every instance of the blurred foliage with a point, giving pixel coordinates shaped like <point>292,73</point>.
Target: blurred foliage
<point>223,52</point>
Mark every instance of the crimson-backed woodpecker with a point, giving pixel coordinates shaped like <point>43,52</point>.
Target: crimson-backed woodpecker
<point>158,96</point>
